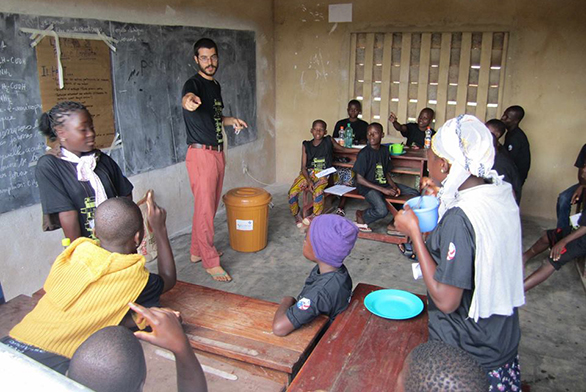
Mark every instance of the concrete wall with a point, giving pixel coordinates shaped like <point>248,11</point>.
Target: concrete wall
<point>544,73</point>
<point>27,252</point>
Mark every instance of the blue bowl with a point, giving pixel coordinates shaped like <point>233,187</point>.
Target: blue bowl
<point>426,213</point>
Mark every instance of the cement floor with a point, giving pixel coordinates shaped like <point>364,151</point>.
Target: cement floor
<point>553,321</point>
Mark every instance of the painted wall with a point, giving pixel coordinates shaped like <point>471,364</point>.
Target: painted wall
<point>27,252</point>
<point>544,73</point>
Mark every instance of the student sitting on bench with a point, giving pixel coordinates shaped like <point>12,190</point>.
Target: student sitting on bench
<point>329,240</point>
<point>565,244</point>
<point>89,286</point>
<point>373,177</point>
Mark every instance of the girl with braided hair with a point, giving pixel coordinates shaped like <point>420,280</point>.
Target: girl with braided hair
<point>74,177</point>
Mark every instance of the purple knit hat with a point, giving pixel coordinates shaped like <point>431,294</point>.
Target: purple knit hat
<point>332,238</point>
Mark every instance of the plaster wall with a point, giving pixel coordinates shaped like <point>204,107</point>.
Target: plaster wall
<point>544,74</point>
<point>26,252</point>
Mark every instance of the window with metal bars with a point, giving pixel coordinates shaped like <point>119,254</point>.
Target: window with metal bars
<point>452,73</point>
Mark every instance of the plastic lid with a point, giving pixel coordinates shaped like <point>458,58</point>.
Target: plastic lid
<point>65,242</point>
<point>247,197</point>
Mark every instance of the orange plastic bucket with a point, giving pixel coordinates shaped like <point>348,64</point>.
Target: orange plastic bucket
<point>247,210</point>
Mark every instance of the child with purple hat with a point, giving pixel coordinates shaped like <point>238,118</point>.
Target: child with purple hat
<point>327,290</point>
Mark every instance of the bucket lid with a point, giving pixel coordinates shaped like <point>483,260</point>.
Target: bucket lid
<point>247,197</point>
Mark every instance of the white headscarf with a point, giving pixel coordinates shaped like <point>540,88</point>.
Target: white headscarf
<point>467,144</point>
<point>498,268</point>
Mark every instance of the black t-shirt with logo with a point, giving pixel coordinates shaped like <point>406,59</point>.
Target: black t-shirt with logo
<point>517,145</point>
<point>581,160</point>
<point>327,294</point>
<point>358,127</point>
<point>492,341</point>
<point>415,135</point>
<point>61,190</point>
<point>372,165</point>
<point>319,157</point>
<point>204,125</point>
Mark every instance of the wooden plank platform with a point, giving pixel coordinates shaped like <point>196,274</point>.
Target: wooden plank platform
<point>361,351</point>
<point>239,327</point>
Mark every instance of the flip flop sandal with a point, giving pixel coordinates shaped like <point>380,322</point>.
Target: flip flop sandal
<point>341,212</point>
<point>395,233</point>
<point>407,250</point>
<point>307,221</point>
<point>363,227</point>
<point>221,275</point>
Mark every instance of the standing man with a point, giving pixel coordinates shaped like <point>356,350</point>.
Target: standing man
<point>202,111</point>
<point>516,142</point>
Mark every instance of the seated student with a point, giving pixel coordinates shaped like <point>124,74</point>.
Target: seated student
<point>316,155</point>
<point>574,193</point>
<point>415,132</point>
<point>89,286</point>
<point>565,245</point>
<point>503,164</point>
<point>329,240</point>
<point>358,126</point>
<point>112,359</point>
<point>373,176</point>
<point>437,366</point>
<point>516,142</point>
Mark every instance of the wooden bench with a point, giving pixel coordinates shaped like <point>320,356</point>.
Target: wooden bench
<point>381,237</point>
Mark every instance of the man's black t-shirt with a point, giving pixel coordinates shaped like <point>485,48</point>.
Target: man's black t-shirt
<point>492,341</point>
<point>504,166</point>
<point>327,294</point>
<point>204,125</point>
<point>358,127</point>
<point>414,135</point>
<point>517,145</point>
<point>319,157</point>
<point>581,160</point>
<point>61,190</point>
<point>373,165</point>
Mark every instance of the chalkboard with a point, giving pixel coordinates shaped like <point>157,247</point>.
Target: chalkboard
<point>149,68</point>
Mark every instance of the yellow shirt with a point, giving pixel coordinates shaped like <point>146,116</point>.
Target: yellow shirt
<point>88,288</point>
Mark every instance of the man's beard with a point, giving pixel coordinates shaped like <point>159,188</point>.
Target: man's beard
<point>209,70</point>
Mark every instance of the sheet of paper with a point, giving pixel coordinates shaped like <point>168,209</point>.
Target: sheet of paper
<point>326,172</point>
<point>88,79</point>
<point>339,190</point>
<point>574,220</point>
<point>340,13</point>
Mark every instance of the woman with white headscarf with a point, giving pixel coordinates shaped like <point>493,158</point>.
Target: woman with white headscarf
<point>471,262</point>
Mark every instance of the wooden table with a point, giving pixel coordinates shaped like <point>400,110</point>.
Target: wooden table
<point>361,351</point>
<point>413,162</point>
<point>238,327</point>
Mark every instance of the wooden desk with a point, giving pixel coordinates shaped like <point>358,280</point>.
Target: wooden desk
<point>413,162</point>
<point>361,351</point>
<point>239,327</point>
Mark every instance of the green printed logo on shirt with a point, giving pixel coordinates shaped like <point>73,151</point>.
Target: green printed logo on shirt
<point>89,213</point>
<point>218,120</point>
<point>319,164</point>
<point>379,174</point>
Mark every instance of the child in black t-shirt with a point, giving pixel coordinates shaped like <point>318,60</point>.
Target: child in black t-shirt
<point>566,244</point>
<point>503,164</point>
<point>373,177</point>
<point>316,155</point>
<point>358,126</point>
<point>415,132</point>
<point>328,289</point>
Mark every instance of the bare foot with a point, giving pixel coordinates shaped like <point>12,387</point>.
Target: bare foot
<point>219,274</point>
<point>197,259</point>
<point>359,218</point>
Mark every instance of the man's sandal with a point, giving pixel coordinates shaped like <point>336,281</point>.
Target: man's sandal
<point>217,277</point>
<point>197,259</point>
<point>407,250</point>
<point>363,227</point>
<point>341,212</point>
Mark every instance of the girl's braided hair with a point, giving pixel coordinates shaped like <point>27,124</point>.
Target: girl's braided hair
<point>57,116</point>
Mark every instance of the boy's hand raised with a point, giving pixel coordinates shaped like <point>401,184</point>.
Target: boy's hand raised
<point>392,118</point>
<point>167,331</point>
<point>157,216</point>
